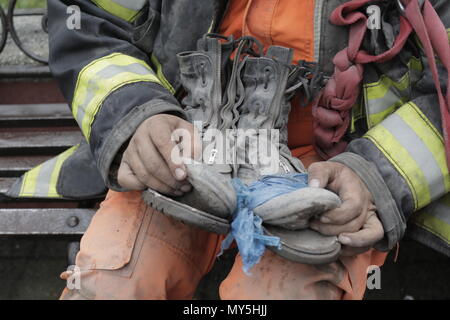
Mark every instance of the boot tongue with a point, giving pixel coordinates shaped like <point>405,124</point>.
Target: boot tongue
<point>281,54</point>
<point>206,43</point>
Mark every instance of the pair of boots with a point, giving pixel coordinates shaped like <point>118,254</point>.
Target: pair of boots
<point>241,109</point>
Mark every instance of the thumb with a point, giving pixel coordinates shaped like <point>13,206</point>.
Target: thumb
<point>319,175</point>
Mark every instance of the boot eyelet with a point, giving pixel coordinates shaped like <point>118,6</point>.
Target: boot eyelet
<point>267,72</point>
<point>202,73</point>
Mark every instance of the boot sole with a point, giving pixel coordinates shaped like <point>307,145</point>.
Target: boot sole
<point>185,213</point>
<point>315,254</point>
<point>322,249</point>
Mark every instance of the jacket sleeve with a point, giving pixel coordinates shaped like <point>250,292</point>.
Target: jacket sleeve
<point>402,159</point>
<point>104,75</point>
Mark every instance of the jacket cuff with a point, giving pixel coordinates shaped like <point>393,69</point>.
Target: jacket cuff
<point>110,154</point>
<point>393,221</point>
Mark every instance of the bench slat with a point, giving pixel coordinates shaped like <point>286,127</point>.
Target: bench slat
<point>15,115</point>
<point>42,142</point>
<point>44,221</point>
<point>16,166</point>
<point>5,184</point>
<point>26,71</point>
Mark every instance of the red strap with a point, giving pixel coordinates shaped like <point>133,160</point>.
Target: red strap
<point>434,38</point>
<point>332,109</point>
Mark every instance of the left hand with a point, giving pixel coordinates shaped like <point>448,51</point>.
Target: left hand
<point>355,222</point>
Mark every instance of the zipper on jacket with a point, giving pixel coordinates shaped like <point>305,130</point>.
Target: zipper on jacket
<point>318,17</point>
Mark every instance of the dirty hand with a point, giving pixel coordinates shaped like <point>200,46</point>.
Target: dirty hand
<point>149,162</point>
<point>355,222</point>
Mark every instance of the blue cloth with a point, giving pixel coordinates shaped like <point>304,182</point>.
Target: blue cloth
<point>246,227</point>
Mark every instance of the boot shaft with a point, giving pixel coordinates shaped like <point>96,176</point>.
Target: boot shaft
<point>203,74</point>
<point>247,94</point>
<point>265,80</point>
<point>261,144</point>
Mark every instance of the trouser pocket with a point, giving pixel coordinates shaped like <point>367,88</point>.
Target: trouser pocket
<point>111,237</point>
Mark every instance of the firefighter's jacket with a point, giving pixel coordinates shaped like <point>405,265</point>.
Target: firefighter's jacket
<point>119,68</point>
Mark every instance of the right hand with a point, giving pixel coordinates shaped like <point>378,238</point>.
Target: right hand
<point>147,162</point>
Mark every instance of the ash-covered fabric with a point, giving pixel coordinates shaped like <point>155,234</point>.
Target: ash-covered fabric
<point>246,227</point>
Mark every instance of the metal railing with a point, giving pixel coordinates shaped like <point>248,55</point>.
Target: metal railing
<point>8,27</point>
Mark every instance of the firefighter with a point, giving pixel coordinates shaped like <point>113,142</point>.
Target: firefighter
<point>388,163</point>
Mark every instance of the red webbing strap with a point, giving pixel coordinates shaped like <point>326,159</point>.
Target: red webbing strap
<point>433,35</point>
<point>332,109</point>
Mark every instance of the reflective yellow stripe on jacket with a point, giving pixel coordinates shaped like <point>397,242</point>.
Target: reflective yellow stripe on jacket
<point>435,218</point>
<point>124,9</point>
<point>416,149</point>
<point>161,76</point>
<point>383,97</point>
<point>41,181</point>
<point>99,79</point>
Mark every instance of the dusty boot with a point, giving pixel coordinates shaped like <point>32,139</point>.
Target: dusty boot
<point>211,202</point>
<point>266,105</point>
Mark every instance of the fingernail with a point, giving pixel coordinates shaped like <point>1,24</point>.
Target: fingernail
<point>186,188</point>
<point>325,220</point>
<point>344,240</point>
<point>179,174</point>
<point>314,183</point>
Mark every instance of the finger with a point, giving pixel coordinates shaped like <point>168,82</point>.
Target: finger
<point>334,230</point>
<point>349,210</point>
<point>161,136</point>
<point>148,179</point>
<point>355,199</point>
<point>319,175</point>
<point>154,163</point>
<point>127,179</point>
<point>371,233</point>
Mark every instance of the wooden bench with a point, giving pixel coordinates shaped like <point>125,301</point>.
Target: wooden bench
<point>29,135</point>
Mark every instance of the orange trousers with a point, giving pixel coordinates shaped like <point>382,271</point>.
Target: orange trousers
<point>131,251</point>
